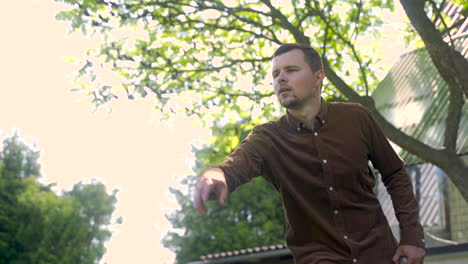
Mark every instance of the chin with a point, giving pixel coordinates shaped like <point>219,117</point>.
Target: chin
<point>290,104</point>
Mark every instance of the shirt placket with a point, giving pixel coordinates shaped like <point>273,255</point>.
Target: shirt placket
<point>333,192</point>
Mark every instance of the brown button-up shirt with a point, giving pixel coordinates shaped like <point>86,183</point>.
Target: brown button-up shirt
<point>326,185</point>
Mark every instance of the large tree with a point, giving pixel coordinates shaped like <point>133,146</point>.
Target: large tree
<point>211,59</point>
<point>39,226</point>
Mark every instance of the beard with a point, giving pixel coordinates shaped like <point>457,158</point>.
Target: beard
<point>290,102</point>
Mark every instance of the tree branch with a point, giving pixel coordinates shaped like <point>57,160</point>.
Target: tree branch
<point>356,21</point>
<point>207,69</point>
<point>454,25</point>
<point>284,23</point>
<point>231,28</point>
<point>439,15</point>
<point>341,85</point>
<point>235,13</point>
<point>452,122</point>
<point>405,141</point>
<point>252,96</point>
<point>349,44</point>
<point>450,63</point>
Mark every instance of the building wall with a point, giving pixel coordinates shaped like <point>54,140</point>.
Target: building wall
<point>458,213</point>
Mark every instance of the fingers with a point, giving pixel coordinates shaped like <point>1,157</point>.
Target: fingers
<point>202,193</point>
<point>198,203</point>
<point>223,193</point>
<point>406,254</point>
<point>397,256</point>
<point>212,182</point>
<point>203,190</point>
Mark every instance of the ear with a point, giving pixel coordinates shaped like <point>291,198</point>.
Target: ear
<point>319,76</point>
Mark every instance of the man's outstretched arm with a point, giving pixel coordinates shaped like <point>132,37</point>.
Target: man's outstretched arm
<point>212,181</point>
<point>241,166</point>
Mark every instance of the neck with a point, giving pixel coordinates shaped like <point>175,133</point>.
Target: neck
<point>307,113</point>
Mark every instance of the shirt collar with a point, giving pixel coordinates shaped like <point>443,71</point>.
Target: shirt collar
<point>321,117</point>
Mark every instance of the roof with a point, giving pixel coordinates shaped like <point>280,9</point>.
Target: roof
<point>459,252</point>
<point>414,98</point>
<point>279,252</point>
<point>243,251</point>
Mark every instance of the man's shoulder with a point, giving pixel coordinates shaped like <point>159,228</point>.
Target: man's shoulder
<point>347,107</point>
<point>261,135</point>
<point>266,127</point>
<point>269,129</point>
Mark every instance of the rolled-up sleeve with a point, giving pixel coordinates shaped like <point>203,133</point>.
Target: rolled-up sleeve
<point>397,183</point>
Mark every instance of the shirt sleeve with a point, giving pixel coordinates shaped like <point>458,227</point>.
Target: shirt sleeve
<point>246,161</point>
<point>397,183</point>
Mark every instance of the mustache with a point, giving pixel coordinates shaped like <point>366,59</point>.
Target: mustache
<point>284,87</point>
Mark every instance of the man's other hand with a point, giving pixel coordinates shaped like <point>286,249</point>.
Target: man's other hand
<point>415,255</point>
<point>211,182</point>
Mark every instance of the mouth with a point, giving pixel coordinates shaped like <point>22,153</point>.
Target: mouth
<point>283,90</point>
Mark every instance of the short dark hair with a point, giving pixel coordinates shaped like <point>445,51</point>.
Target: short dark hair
<point>311,56</point>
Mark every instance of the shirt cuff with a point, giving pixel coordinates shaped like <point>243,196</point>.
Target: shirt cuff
<point>229,181</point>
<point>412,237</point>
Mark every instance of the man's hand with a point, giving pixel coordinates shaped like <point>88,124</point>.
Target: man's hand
<point>210,181</point>
<point>415,255</point>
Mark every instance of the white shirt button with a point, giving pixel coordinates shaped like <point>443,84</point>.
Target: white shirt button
<point>323,121</point>
<point>324,161</point>
<point>354,260</point>
<point>315,134</point>
<point>299,129</point>
<point>336,211</point>
<point>331,188</point>
<point>345,237</point>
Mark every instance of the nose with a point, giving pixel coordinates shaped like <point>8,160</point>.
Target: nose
<point>281,77</point>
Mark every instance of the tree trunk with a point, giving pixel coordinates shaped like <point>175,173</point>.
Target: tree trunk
<point>457,170</point>
<point>450,63</point>
<point>448,160</point>
<point>453,69</point>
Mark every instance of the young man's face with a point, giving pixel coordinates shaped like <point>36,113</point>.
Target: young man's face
<point>293,80</point>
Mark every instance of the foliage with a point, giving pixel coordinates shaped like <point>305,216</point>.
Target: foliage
<point>211,59</point>
<point>214,55</point>
<point>18,159</point>
<point>243,223</point>
<point>39,226</point>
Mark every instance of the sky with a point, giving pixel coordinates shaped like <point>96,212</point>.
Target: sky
<point>128,149</point>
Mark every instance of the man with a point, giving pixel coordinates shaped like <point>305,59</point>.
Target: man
<point>317,157</point>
